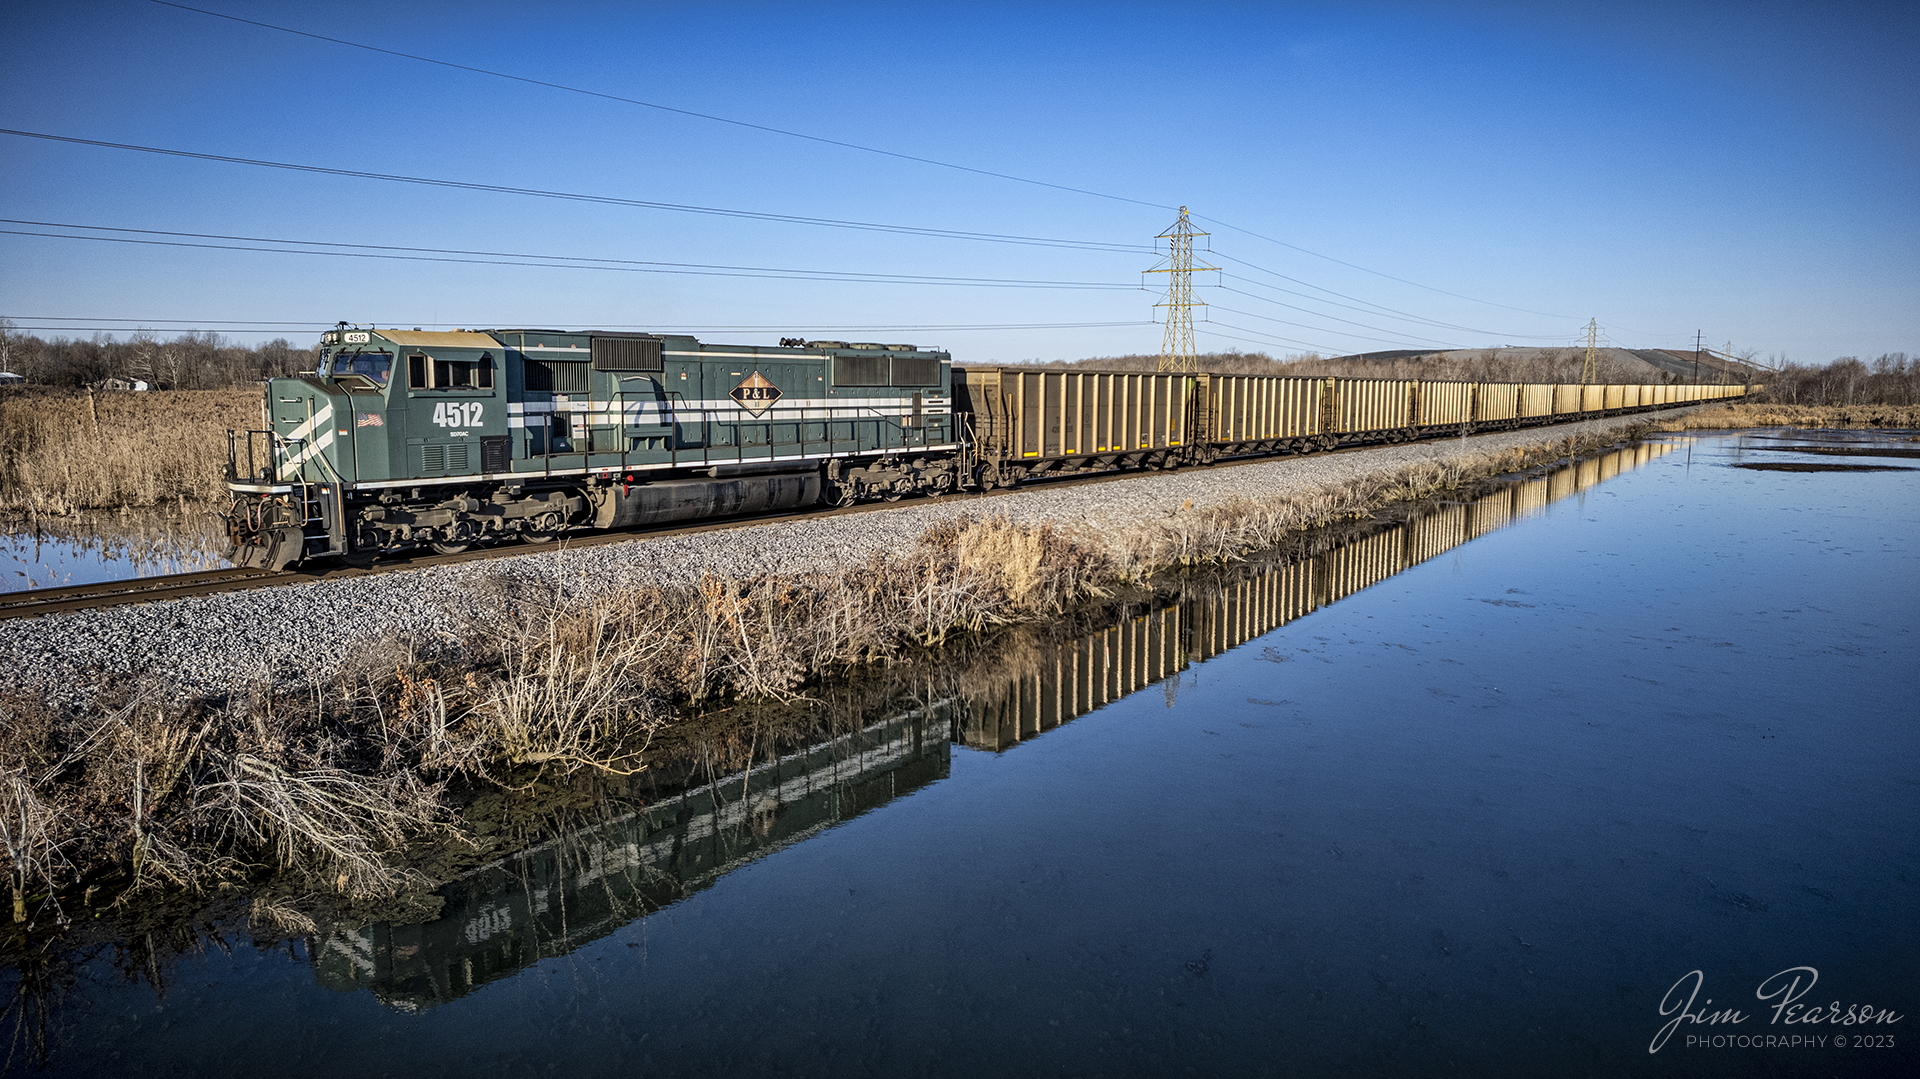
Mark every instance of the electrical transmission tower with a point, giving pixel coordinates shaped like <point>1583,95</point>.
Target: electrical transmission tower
<point>1593,340</point>
<point>1176,347</point>
<point>1726,369</point>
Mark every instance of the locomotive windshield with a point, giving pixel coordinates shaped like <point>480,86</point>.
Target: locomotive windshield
<point>374,365</point>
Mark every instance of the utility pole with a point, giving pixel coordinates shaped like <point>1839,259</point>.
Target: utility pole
<point>1176,346</point>
<point>1593,338</point>
<point>1696,357</point>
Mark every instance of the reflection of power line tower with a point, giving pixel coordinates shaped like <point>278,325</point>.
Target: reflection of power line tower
<point>1593,340</point>
<point>1176,346</point>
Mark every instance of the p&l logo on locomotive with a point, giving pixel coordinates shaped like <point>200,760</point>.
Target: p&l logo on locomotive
<point>756,394</point>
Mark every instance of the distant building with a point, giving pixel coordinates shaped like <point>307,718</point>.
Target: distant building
<point>8,378</point>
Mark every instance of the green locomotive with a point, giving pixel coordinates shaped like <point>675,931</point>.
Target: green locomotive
<point>403,438</point>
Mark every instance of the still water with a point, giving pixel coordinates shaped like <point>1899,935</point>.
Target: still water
<point>53,552</point>
<point>1470,795</point>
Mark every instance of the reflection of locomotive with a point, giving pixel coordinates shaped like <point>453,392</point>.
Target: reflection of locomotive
<point>404,438</point>
<point>587,883</point>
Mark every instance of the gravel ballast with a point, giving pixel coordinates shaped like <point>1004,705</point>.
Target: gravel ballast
<point>224,642</point>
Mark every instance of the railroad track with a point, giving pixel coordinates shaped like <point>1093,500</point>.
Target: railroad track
<point>44,601</point>
<point>38,601</point>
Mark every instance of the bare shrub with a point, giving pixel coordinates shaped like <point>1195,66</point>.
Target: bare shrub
<point>572,689</point>
<point>324,823</point>
<point>30,829</point>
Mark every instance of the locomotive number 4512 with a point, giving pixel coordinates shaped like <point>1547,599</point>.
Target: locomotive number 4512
<point>457,414</point>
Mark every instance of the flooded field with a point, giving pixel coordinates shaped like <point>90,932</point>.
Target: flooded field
<point>1477,793</point>
<point>52,552</point>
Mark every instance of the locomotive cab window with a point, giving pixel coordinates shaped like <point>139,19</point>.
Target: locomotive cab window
<point>426,372</point>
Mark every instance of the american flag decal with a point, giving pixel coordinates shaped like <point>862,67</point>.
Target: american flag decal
<point>369,419</point>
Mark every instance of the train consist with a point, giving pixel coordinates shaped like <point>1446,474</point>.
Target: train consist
<point>404,439</point>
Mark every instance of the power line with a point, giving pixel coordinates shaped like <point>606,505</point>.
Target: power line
<point>569,263</point>
<point>827,142</point>
<point>609,200</point>
<point>1309,311</point>
<point>1377,273</point>
<point>668,108</point>
<point>1378,308</point>
<point>229,325</point>
<point>1323,329</point>
<point>1205,327</point>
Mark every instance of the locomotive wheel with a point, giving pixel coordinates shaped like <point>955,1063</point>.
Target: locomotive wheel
<point>359,559</point>
<point>542,529</point>
<point>891,495</point>
<point>448,548</point>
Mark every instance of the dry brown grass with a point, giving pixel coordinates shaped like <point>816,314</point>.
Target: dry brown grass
<point>62,451</point>
<point>1764,414</point>
<point>328,784</point>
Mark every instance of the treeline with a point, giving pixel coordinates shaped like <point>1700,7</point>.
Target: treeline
<point>1890,379</point>
<point>190,361</point>
<point>1477,365</point>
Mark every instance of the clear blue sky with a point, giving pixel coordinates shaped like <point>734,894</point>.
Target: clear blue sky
<point>1748,170</point>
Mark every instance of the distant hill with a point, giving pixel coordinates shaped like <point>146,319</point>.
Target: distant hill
<point>1615,364</point>
<point>1563,364</point>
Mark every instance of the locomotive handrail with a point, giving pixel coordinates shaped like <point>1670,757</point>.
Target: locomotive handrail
<point>257,469</point>
<point>676,405</point>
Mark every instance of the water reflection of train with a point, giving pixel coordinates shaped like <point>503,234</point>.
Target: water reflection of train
<point>583,885</point>
<point>1044,689</point>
